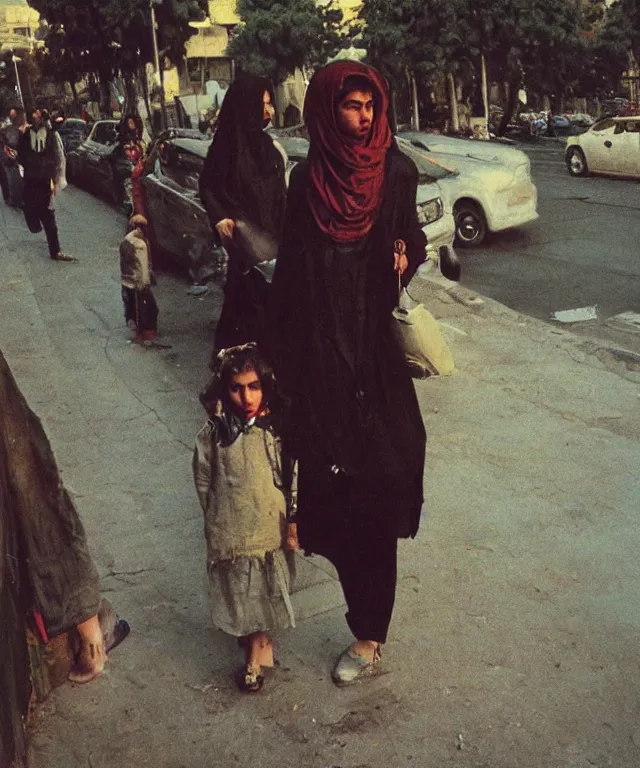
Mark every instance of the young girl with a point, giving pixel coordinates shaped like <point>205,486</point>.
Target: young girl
<point>246,490</point>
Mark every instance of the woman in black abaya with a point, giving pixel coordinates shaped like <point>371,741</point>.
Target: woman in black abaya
<point>243,181</point>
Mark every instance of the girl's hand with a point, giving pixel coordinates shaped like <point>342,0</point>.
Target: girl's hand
<point>291,543</point>
<point>400,261</point>
<point>225,228</point>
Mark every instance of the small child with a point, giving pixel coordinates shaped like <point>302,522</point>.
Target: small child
<point>140,308</point>
<point>247,492</point>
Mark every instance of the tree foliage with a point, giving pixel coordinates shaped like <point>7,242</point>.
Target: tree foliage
<point>112,36</point>
<point>551,47</point>
<point>276,38</point>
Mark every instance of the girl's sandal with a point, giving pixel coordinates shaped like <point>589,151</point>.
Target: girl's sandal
<point>248,680</point>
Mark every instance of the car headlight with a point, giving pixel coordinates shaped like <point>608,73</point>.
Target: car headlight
<point>430,211</point>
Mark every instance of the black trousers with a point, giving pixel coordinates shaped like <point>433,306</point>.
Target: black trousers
<point>368,573</point>
<point>348,520</point>
<point>38,212</point>
<point>243,315</point>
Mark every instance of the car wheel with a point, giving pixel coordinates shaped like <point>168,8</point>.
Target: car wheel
<point>471,225</point>
<point>577,162</point>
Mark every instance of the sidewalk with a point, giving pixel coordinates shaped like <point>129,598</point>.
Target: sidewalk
<point>516,637</point>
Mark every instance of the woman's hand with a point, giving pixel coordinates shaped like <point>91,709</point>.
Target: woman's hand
<point>291,543</point>
<point>400,261</point>
<point>225,228</point>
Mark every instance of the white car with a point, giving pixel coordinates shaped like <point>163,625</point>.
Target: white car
<point>434,215</point>
<point>484,195</point>
<point>610,146</point>
<point>462,147</point>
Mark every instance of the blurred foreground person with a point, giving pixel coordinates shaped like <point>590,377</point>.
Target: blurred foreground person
<point>45,558</point>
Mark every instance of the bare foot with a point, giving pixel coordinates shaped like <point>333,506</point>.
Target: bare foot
<point>260,651</point>
<point>92,656</point>
<point>89,663</point>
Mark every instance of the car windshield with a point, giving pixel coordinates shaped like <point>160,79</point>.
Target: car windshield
<point>604,125</point>
<point>428,170</point>
<point>105,133</point>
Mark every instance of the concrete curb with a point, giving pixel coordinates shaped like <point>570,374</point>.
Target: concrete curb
<point>613,357</point>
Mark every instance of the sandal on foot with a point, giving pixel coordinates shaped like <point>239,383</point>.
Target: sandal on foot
<point>63,257</point>
<point>120,632</point>
<point>352,668</point>
<point>248,680</point>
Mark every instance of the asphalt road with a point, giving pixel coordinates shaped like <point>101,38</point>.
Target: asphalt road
<point>582,251</point>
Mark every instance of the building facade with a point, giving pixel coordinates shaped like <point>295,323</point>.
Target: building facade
<point>18,26</point>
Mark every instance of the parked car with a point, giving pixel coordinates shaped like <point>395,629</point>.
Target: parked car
<point>463,147</point>
<point>73,132</point>
<point>98,162</point>
<point>485,195</point>
<point>179,225</point>
<point>610,146</point>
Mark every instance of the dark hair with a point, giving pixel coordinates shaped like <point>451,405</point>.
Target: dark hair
<point>233,362</point>
<point>123,126</point>
<point>357,83</point>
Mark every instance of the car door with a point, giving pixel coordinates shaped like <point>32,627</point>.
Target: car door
<point>626,148</point>
<point>106,146</point>
<point>597,144</point>
<point>91,154</point>
<point>181,173</point>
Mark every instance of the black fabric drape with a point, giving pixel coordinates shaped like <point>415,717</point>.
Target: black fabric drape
<point>353,404</point>
<point>243,178</point>
<point>243,174</point>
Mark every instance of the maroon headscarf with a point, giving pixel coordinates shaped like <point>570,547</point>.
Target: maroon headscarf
<point>346,175</point>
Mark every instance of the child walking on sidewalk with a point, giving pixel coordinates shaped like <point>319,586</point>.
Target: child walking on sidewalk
<point>246,490</point>
<point>140,308</point>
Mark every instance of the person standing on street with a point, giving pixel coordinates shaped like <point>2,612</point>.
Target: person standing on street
<point>41,154</point>
<point>355,425</point>
<point>242,186</point>
<point>11,134</point>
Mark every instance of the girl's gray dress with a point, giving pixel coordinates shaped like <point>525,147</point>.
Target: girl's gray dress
<point>241,491</point>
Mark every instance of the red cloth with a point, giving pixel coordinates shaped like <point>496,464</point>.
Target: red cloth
<point>346,175</point>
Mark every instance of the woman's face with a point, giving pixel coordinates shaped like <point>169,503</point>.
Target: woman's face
<point>267,108</point>
<point>245,394</point>
<point>355,114</point>
<point>131,124</point>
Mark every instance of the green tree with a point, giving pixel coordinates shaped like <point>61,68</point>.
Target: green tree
<point>275,39</point>
<point>110,37</point>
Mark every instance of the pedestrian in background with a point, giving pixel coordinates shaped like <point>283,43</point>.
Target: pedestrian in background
<point>355,424</point>
<point>11,133</point>
<point>134,149</point>
<point>242,186</point>
<point>41,154</point>
<point>246,490</point>
<point>136,277</point>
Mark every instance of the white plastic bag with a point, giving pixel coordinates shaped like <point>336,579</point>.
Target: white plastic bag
<point>419,334</point>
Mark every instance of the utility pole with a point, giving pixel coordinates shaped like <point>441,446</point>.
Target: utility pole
<point>15,60</point>
<point>156,60</point>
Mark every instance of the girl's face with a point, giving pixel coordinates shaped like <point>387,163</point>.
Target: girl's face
<point>245,394</point>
